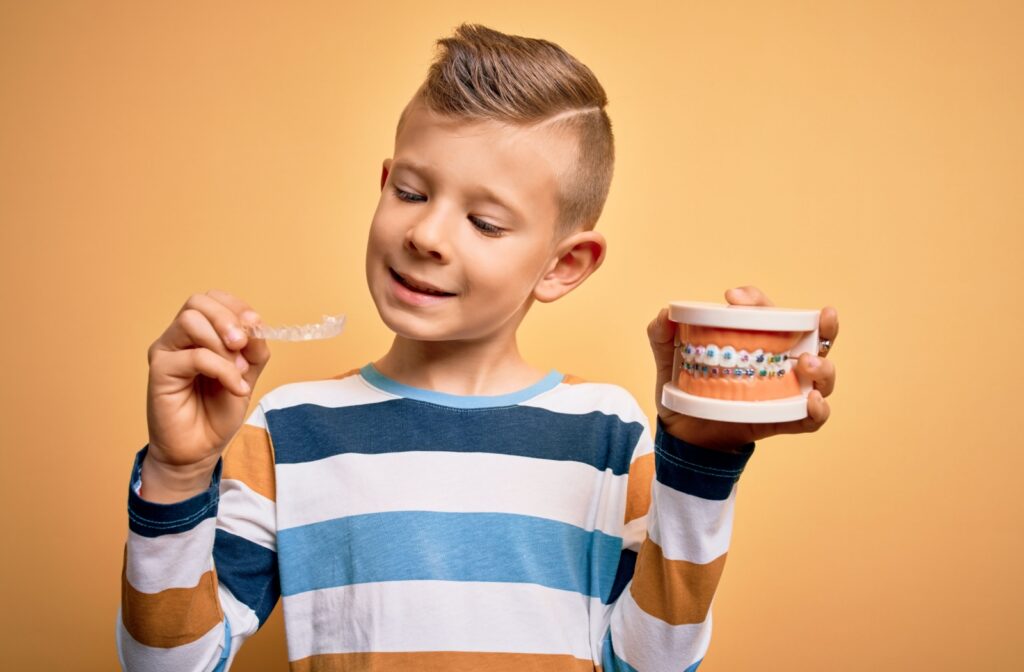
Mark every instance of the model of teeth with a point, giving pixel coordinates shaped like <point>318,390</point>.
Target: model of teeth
<point>735,363</point>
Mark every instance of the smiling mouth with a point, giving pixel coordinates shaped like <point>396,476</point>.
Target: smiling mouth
<point>418,288</point>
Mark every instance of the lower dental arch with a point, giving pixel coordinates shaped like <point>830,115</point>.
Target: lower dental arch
<point>706,361</point>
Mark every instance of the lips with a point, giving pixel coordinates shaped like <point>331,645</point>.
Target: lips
<point>417,285</point>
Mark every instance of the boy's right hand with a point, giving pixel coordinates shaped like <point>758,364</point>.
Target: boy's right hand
<point>200,381</point>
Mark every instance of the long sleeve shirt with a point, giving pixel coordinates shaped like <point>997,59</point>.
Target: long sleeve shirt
<point>406,529</point>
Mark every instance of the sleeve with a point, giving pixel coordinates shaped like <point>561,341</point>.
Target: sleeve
<point>200,576</point>
<point>679,512</point>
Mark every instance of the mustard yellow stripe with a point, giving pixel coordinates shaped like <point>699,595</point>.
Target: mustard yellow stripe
<point>638,489</point>
<point>440,661</point>
<point>676,591</point>
<point>570,379</point>
<point>249,458</point>
<point>172,617</point>
<point>344,375</point>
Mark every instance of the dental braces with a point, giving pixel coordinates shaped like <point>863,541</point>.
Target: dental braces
<point>729,356</point>
<point>738,373</point>
<point>328,327</point>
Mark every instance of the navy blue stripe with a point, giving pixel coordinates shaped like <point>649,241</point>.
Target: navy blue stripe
<point>698,471</point>
<point>624,573</point>
<point>308,432</point>
<point>152,519</point>
<point>442,546</point>
<point>249,571</point>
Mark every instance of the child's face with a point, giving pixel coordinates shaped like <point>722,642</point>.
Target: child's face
<point>445,232</point>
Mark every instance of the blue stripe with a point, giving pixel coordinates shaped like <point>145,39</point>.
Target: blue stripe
<point>248,570</point>
<point>698,471</point>
<point>226,651</point>
<point>379,380</point>
<point>308,432</point>
<point>693,668</point>
<point>427,545</point>
<point>610,661</point>
<point>624,573</point>
<point>152,519</point>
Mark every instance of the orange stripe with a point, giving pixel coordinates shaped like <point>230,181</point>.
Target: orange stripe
<point>676,591</point>
<point>440,661</point>
<point>249,458</point>
<point>638,487</point>
<point>172,617</point>
<point>344,375</point>
<point>570,379</point>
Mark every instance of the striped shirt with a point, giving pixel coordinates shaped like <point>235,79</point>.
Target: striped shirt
<point>406,529</point>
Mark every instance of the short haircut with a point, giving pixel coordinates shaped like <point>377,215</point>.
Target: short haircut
<point>482,74</point>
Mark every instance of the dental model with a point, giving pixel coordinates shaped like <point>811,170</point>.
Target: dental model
<point>735,363</point>
<point>328,327</point>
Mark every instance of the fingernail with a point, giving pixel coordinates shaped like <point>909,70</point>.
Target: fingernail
<point>234,335</point>
<point>813,362</point>
<point>240,363</point>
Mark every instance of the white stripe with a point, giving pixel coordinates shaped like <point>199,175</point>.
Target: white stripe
<point>689,527</point>
<point>185,658</point>
<point>580,398</point>
<point>349,391</point>
<point>353,483</point>
<point>652,645</point>
<point>244,621</point>
<point>437,616</point>
<point>244,512</point>
<point>170,560</point>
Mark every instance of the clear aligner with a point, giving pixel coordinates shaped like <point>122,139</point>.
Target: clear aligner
<point>328,327</point>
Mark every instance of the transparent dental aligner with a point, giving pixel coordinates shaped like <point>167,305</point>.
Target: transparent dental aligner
<point>328,327</point>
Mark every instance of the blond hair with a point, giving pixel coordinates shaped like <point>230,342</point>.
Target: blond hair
<point>483,74</point>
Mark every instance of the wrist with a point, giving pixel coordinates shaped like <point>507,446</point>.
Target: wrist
<point>166,483</point>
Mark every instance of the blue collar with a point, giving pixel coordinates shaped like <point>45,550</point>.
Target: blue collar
<point>380,381</point>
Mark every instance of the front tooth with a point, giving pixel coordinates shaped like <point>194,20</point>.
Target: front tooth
<point>743,358</point>
<point>698,354</point>
<point>757,356</point>
<point>712,355</point>
<point>728,356</point>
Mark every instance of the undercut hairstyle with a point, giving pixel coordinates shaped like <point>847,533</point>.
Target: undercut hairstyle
<point>482,74</point>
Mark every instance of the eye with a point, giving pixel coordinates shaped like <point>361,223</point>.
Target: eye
<point>408,196</point>
<point>486,228</point>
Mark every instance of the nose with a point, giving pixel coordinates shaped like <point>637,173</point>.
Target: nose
<point>428,237</point>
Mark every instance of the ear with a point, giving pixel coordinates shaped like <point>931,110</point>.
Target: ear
<point>578,256</point>
<point>384,173</point>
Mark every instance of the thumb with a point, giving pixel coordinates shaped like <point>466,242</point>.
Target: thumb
<point>661,332</point>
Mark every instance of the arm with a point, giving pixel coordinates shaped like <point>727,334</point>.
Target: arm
<point>200,576</point>
<point>662,619</point>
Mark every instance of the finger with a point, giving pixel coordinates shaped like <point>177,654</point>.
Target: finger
<point>223,320</point>
<point>661,332</point>
<point>187,364</point>
<point>747,296</point>
<point>820,372</point>
<point>255,350</point>
<point>828,325</point>
<point>818,412</point>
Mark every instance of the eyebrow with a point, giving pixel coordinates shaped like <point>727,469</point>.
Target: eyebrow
<point>489,194</point>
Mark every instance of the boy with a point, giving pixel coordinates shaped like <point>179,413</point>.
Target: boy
<point>447,507</point>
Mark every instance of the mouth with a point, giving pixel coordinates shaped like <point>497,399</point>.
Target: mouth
<point>418,286</point>
<point>736,364</point>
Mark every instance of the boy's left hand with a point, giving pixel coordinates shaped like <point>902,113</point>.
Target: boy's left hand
<point>729,436</point>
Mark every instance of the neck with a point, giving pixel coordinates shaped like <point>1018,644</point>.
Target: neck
<point>474,367</point>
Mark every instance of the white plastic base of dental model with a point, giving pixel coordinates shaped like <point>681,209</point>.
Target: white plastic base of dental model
<point>328,327</point>
<point>728,410</point>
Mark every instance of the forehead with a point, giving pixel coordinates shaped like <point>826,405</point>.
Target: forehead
<point>522,166</point>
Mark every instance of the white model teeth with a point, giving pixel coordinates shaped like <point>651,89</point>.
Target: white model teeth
<point>712,355</point>
<point>743,358</point>
<point>688,354</point>
<point>728,356</point>
<point>698,354</point>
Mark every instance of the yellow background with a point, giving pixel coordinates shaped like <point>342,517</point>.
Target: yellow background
<point>865,155</point>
